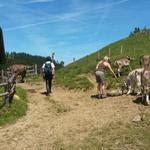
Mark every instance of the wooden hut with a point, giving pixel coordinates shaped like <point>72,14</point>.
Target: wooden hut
<point>2,49</point>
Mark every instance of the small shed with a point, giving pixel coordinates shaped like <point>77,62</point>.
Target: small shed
<point>2,49</point>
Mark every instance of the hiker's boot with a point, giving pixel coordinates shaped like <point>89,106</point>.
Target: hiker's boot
<point>104,95</point>
<point>99,96</point>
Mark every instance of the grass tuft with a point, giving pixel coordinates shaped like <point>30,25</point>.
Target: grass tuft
<point>17,109</point>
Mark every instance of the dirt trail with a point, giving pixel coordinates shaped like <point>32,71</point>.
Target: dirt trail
<point>67,116</point>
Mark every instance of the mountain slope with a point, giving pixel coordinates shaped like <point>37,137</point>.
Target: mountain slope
<point>134,46</point>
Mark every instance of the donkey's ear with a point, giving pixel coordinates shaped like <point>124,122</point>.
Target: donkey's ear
<point>137,73</point>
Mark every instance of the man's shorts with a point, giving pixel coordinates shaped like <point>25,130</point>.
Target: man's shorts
<point>100,77</point>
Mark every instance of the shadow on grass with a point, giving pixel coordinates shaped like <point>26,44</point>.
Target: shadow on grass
<point>43,93</point>
<point>139,101</point>
<point>95,96</point>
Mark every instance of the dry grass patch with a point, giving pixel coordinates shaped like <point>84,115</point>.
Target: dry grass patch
<point>114,136</point>
<point>58,107</point>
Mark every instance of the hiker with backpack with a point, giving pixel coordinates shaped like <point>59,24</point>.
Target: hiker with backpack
<point>48,72</point>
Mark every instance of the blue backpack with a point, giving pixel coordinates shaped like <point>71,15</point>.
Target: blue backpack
<point>48,69</point>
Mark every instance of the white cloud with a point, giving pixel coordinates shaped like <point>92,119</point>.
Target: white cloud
<point>39,1</point>
<point>26,26</point>
<point>65,17</point>
<point>77,14</point>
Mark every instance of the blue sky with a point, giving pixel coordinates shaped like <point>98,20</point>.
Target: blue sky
<point>70,28</point>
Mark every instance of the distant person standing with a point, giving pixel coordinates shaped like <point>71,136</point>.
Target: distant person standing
<point>101,67</point>
<point>48,71</point>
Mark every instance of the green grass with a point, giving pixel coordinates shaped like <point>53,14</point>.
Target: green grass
<point>134,46</point>
<point>74,82</point>
<point>2,90</point>
<point>17,109</point>
<point>34,79</point>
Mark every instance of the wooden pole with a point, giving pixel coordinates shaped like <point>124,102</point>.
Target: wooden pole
<point>36,69</point>
<point>2,74</point>
<point>109,52</point>
<point>87,58</point>
<point>121,50</point>
<point>74,59</point>
<point>53,55</point>
<point>98,55</point>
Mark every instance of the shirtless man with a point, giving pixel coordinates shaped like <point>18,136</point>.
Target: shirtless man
<point>101,67</point>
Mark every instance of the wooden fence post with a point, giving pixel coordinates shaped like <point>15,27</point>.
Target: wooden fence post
<point>87,59</point>
<point>98,56</point>
<point>74,59</point>
<point>2,74</point>
<point>35,66</point>
<point>7,96</point>
<point>109,52</point>
<point>32,70</point>
<point>11,89</point>
<point>121,50</point>
<point>9,85</point>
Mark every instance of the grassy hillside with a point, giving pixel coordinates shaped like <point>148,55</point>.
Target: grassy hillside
<point>134,46</point>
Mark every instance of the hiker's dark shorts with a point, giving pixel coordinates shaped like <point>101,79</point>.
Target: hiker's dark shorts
<point>100,77</point>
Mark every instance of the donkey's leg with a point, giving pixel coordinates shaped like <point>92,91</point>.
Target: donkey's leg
<point>119,72</point>
<point>147,98</point>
